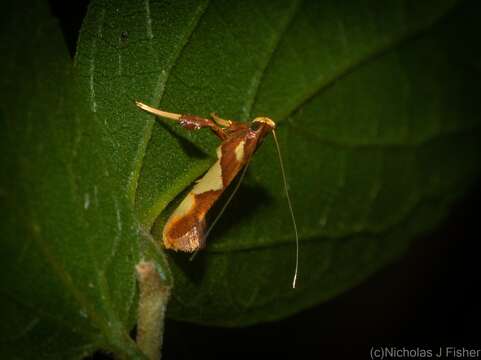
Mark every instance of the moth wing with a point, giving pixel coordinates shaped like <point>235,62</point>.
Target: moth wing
<point>185,229</point>
<point>191,240</point>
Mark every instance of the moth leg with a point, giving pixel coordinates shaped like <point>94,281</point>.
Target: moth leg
<point>192,122</point>
<point>189,122</point>
<point>220,121</point>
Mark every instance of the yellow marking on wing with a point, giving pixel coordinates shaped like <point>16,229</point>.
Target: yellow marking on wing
<point>239,151</point>
<point>184,208</point>
<point>212,180</point>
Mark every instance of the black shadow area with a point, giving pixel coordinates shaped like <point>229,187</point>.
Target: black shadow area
<point>189,147</point>
<point>70,15</point>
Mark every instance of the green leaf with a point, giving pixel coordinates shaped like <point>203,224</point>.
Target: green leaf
<point>70,238</point>
<point>377,106</point>
<point>378,118</point>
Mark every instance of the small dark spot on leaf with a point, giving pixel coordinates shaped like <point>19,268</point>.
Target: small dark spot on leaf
<point>124,36</point>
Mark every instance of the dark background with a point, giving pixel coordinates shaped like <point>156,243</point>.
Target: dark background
<point>427,299</point>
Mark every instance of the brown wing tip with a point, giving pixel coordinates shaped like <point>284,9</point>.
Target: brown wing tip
<point>191,241</point>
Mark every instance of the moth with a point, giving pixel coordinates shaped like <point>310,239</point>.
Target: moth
<point>186,230</point>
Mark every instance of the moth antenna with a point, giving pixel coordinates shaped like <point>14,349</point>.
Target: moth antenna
<point>290,207</point>
<point>158,112</point>
<point>193,255</point>
<point>231,196</point>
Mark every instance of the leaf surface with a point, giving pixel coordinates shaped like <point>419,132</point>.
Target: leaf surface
<point>378,116</point>
<point>70,237</point>
<point>378,124</point>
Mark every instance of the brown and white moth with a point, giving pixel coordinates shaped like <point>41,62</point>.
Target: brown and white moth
<point>185,230</point>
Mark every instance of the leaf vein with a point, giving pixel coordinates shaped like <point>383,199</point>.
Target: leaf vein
<point>252,92</point>
<point>156,98</point>
<point>383,48</point>
<point>366,145</point>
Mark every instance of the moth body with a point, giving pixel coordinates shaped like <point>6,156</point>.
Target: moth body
<point>185,230</point>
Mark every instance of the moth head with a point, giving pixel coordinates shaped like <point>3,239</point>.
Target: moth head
<point>257,122</point>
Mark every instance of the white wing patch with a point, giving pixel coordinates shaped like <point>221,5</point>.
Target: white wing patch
<point>184,208</point>
<point>212,180</point>
<point>239,151</point>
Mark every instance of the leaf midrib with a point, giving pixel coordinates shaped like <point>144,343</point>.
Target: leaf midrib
<point>258,76</point>
<point>364,230</point>
<point>323,84</point>
<point>133,181</point>
<point>382,49</point>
